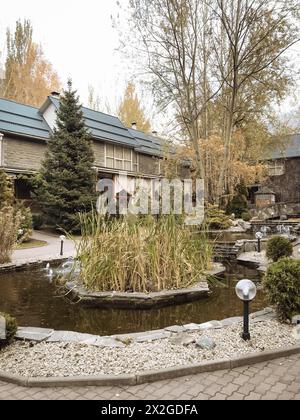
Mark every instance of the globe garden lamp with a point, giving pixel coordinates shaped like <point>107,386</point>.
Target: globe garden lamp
<point>246,292</point>
<point>259,237</point>
<point>62,241</point>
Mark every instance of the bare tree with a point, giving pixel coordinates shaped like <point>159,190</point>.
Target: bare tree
<point>219,64</point>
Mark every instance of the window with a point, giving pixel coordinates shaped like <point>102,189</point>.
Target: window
<point>121,159</point>
<point>276,168</point>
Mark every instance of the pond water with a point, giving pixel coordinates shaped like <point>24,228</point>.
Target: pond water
<point>230,237</point>
<point>33,300</point>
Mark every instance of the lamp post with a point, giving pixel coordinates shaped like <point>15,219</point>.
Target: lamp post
<point>246,291</point>
<point>62,240</point>
<point>259,237</point>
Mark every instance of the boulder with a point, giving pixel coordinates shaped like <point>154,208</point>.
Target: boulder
<point>206,343</point>
<point>2,328</point>
<point>296,320</point>
<point>296,333</point>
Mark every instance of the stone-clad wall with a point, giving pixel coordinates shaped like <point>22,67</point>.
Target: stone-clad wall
<point>287,186</point>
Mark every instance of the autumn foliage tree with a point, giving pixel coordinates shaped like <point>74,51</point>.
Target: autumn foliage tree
<point>130,110</point>
<point>28,77</point>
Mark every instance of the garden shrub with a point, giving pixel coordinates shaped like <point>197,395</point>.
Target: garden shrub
<point>11,329</point>
<point>279,247</point>
<point>246,216</point>
<point>282,288</point>
<point>26,221</point>
<point>10,223</point>
<point>239,204</point>
<point>37,221</point>
<point>216,219</point>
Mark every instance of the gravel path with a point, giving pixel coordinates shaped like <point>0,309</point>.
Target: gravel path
<point>63,360</point>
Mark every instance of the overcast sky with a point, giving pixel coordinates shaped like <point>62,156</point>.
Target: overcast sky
<point>79,40</point>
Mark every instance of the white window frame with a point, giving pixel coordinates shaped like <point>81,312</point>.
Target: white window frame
<point>134,167</point>
<point>276,168</point>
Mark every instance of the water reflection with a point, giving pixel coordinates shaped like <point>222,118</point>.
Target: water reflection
<point>33,300</point>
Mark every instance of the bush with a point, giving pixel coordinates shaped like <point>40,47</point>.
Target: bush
<point>37,221</point>
<point>246,216</point>
<point>239,204</point>
<point>26,221</point>
<point>282,287</point>
<point>216,219</point>
<point>11,329</point>
<point>279,247</point>
<point>10,223</point>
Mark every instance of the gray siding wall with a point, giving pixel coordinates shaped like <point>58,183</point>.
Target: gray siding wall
<point>148,165</point>
<point>27,154</point>
<point>23,154</point>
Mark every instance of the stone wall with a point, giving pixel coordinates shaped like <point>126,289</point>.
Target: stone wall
<point>287,186</point>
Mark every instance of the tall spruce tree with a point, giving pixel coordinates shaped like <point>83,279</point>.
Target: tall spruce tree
<point>6,190</point>
<point>66,182</point>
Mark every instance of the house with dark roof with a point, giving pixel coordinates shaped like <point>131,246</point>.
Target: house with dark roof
<point>25,131</point>
<point>284,171</point>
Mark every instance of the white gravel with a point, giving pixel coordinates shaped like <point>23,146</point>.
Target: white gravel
<point>65,360</point>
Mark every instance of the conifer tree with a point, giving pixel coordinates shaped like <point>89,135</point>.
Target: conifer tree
<point>6,190</point>
<point>66,182</point>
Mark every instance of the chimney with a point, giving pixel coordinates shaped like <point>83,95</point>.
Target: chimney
<point>55,94</point>
<point>134,126</point>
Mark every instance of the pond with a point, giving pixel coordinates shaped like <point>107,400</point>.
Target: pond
<point>33,300</point>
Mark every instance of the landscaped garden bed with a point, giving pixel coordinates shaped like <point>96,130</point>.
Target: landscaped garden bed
<point>192,345</point>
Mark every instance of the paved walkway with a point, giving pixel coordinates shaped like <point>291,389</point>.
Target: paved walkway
<point>50,251</point>
<point>276,380</point>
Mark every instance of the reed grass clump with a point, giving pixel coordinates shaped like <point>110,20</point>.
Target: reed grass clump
<point>140,255</point>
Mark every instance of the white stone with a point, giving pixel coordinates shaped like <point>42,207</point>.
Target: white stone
<point>34,334</point>
<point>206,343</point>
<point>2,328</point>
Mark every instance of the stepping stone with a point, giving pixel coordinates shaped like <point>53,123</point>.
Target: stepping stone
<point>2,328</point>
<point>34,334</point>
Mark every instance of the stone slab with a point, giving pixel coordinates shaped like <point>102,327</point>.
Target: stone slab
<point>108,342</point>
<point>175,329</point>
<point>34,334</point>
<point>2,328</point>
<point>152,336</point>
<point>71,337</point>
<point>231,321</point>
<point>192,327</point>
<point>212,325</point>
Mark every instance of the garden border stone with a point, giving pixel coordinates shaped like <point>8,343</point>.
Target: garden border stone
<point>151,376</point>
<point>142,300</point>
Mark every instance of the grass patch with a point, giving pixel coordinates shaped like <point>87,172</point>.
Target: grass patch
<point>32,243</point>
